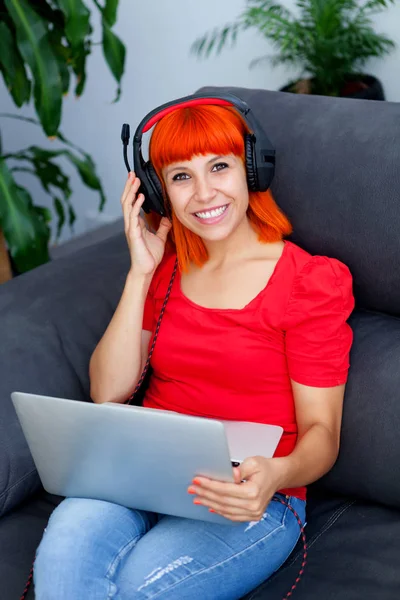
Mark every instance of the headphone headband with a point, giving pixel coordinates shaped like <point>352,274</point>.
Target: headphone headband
<point>260,154</point>
<point>172,106</point>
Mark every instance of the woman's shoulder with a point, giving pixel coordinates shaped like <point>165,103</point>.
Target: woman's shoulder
<point>313,265</point>
<point>317,283</point>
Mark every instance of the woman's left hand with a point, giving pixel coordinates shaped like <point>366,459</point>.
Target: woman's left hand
<point>242,500</point>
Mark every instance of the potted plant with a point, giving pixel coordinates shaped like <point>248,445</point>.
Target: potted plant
<point>329,42</point>
<point>42,45</point>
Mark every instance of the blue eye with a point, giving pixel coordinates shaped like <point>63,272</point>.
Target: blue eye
<point>220,166</point>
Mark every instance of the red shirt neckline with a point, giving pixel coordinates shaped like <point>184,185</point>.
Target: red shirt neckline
<point>249,305</point>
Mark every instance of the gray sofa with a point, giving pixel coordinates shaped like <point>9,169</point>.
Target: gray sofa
<point>338,179</point>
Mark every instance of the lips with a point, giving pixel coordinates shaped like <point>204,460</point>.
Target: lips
<point>212,216</point>
<point>212,212</point>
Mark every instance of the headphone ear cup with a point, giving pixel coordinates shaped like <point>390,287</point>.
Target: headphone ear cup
<point>251,167</point>
<point>154,180</point>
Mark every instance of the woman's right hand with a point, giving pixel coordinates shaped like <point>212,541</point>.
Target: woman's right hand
<point>146,248</point>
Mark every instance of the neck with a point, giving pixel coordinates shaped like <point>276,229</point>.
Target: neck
<point>237,245</point>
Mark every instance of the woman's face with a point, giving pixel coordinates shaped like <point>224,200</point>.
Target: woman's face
<point>208,194</point>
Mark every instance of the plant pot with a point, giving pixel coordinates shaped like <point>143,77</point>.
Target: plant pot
<point>5,264</point>
<point>362,86</point>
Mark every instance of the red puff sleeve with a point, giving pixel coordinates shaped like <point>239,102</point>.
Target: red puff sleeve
<point>318,339</point>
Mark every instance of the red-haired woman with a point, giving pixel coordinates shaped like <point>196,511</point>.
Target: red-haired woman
<point>254,330</point>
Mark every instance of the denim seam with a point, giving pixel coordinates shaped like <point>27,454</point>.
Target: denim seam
<point>331,521</point>
<point>223,562</point>
<point>112,568</point>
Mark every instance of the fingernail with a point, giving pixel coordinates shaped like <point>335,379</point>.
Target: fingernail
<point>196,482</point>
<point>195,501</point>
<point>211,510</point>
<point>190,491</point>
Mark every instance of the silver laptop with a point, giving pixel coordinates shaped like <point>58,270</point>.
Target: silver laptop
<point>137,457</point>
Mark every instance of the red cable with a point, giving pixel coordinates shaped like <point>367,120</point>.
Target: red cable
<point>28,584</point>
<point>305,549</point>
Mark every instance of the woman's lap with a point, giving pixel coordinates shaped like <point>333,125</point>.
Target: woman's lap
<point>108,551</point>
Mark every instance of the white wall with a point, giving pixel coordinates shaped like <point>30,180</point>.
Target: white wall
<point>158,35</point>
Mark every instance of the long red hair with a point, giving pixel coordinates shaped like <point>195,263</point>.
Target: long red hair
<point>201,130</point>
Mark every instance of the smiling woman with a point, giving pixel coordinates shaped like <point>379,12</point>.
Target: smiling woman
<point>253,329</point>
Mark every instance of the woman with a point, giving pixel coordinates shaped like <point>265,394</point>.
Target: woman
<point>254,330</point>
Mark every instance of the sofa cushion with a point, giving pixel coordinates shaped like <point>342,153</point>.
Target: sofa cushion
<point>50,321</point>
<point>20,534</point>
<point>337,178</point>
<point>367,466</point>
<point>353,554</point>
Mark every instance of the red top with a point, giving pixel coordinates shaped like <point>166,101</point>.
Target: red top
<point>237,363</point>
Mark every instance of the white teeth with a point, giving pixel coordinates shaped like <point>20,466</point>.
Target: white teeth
<point>216,212</point>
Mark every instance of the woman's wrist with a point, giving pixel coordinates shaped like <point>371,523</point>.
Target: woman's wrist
<point>282,471</point>
<point>139,279</point>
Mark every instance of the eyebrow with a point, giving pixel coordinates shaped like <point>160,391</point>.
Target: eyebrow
<point>180,167</point>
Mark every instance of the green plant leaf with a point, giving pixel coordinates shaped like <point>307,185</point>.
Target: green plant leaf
<point>60,214</point>
<point>79,67</point>
<point>216,40</point>
<point>63,56</point>
<point>13,67</point>
<point>34,46</point>
<point>77,21</point>
<point>110,11</point>
<point>24,225</point>
<point>377,5</point>
<point>85,166</point>
<point>87,172</point>
<point>114,53</point>
<point>77,30</point>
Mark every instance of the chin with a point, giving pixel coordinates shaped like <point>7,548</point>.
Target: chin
<point>211,233</point>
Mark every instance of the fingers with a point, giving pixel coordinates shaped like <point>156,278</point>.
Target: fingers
<point>130,190</point>
<point>163,229</point>
<point>213,488</point>
<point>128,198</point>
<point>136,223</point>
<point>242,509</point>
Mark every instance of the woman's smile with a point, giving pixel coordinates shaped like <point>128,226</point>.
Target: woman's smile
<point>212,215</point>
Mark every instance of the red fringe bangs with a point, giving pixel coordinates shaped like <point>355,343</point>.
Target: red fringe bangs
<point>195,131</point>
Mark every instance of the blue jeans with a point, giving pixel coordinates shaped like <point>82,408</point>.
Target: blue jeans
<point>98,550</point>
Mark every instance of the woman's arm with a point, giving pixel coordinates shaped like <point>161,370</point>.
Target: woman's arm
<point>118,360</point>
<point>319,415</point>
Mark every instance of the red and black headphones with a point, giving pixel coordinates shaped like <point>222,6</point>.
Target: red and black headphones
<point>259,152</point>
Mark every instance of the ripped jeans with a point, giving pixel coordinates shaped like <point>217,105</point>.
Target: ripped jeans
<point>99,551</point>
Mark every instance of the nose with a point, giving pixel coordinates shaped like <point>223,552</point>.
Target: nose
<point>204,191</point>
